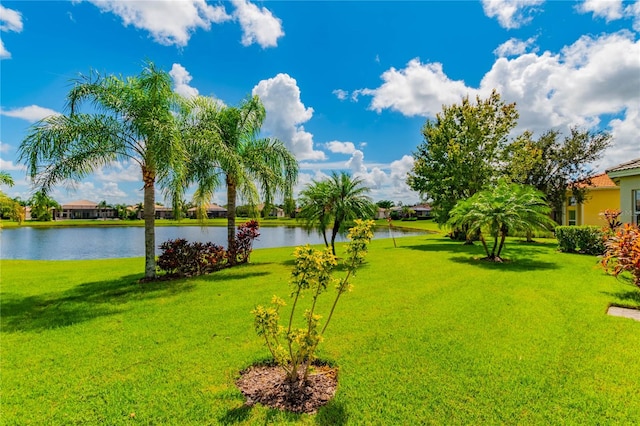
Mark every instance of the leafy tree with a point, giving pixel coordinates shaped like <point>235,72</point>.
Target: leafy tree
<point>336,201</point>
<point>461,151</point>
<point>12,208</point>
<point>223,142</point>
<point>497,211</point>
<point>41,206</point>
<point>555,166</point>
<point>130,119</point>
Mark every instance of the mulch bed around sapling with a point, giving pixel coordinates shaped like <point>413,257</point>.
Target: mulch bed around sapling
<point>267,384</point>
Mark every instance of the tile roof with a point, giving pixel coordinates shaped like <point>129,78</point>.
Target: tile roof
<point>633,164</point>
<point>602,181</point>
<point>80,204</point>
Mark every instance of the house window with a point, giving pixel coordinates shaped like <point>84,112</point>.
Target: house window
<point>636,207</point>
<point>572,218</point>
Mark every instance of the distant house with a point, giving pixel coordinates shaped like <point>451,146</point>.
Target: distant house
<point>627,177</point>
<point>422,211</point>
<point>602,194</point>
<point>382,213</point>
<point>84,209</point>
<point>274,212</point>
<point>213,211</point>
<point>163,212</point>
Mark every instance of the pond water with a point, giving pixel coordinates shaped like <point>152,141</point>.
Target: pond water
<point>120,241</point>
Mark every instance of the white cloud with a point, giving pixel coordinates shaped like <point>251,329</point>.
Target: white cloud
<point>4,53</point>
<point>514,47</point>
<point>30,113</point>
<point>341,147</point>
<point>418,89</point>
<point>612,10</point>
<point>608,9</point>
<point>10,20</point>
<point>258,24</point>
<point>341,94</point>
<point>511,13</point>
<point>6,165</point>
<point>169,22</point>
<point>577,86</point>
<point>181,79</point>
<point>285,115</point>
<point>119,172</point>
<point>5,147</point>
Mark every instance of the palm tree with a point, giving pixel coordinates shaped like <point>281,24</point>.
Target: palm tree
<point>500,210</point>
<point>340,199</point>
<point>131,119</point>
<point>316,207</point>
<point>224,143</point>
<point>6,179</point>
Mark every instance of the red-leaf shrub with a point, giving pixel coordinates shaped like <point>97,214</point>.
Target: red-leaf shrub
<point>247,232</point>
<point>623,252</point>
<point>181,258</point>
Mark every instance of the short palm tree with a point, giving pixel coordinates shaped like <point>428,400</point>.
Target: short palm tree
<point>130,119</point>
<point>339,199</point>
<point>224,144</point>
<point>497,211</point>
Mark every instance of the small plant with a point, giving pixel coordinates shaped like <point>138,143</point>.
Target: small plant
<point>247,232</point>
<point>623,252</point>
<point>612,216</point>
<point>294,348</point>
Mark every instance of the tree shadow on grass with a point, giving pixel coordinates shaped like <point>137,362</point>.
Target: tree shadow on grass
<point>626,298</point>
<point>521,257</point>
<point>81,303</point>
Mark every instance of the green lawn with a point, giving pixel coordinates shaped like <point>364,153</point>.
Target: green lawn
<point>428,336</point>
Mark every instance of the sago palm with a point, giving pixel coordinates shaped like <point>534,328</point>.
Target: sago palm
<point>498,211</point>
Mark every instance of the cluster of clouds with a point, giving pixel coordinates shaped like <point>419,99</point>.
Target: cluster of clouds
<point>171,22</point>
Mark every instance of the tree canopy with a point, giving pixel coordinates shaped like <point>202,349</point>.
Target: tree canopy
<point>554,165</point>
<point>461,151</point>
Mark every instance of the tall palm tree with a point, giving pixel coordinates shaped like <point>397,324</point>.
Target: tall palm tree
<point>130,119</point>
<point>224,144</point>
<point>500,210</point>
<point>339,199</point>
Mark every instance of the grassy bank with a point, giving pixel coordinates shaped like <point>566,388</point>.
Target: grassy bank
<point>428,336</point>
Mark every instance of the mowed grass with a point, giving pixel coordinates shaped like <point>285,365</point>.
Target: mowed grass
<point>429,335</point>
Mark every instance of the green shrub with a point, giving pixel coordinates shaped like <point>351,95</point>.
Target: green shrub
<point>584,239</point>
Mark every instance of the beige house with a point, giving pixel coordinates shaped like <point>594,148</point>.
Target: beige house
<point>84,209</point>
<point>627,177</point>
<point>213,211</point>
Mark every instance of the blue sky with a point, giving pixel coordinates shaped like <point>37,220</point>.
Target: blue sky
<point>346,85</point>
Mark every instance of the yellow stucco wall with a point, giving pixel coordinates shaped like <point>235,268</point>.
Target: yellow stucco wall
<point>597,201</point>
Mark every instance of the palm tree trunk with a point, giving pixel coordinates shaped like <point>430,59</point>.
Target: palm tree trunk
<point>484,244</point>
<point>231,219</point>
<point>503,237</point>
<point>148,177</point>
<point>334,234</point>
